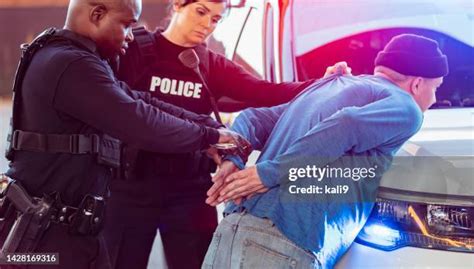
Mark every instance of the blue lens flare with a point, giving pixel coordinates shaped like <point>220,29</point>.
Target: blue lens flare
<point>380,235</point>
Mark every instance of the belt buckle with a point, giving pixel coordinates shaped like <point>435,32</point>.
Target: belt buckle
<point>77,141</point>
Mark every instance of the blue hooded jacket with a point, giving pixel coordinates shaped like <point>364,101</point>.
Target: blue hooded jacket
<point>338,123</point>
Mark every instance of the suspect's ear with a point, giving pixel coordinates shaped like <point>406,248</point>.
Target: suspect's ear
<point>415,85</point>
<point>97,13</point>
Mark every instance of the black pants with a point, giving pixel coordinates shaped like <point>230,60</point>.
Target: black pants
<point>75,252</point>
<point>186,225</point>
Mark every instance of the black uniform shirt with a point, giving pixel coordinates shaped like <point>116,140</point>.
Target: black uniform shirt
<point>169,80</point>
<point>167,77</point>
<point>69,89</point>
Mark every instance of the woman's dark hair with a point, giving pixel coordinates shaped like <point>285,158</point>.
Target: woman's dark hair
<point>187,2</point>
<point>167,20</point>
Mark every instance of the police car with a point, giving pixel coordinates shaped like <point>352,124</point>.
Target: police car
<point>424,215</point>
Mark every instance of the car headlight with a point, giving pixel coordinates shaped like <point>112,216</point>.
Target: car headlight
<point>418,220</point>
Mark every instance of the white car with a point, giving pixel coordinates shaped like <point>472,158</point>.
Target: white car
<point>424,216</point>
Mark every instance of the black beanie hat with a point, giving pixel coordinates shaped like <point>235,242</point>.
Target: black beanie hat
<point>414,55</point>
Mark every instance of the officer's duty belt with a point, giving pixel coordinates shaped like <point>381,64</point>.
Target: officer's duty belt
<point>55,143</point>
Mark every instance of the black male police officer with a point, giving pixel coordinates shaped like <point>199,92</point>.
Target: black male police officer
<point>67,101</point>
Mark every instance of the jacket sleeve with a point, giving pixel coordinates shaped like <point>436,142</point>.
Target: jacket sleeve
<point>87,91</point>
<point>172,109</point>
<point>382,125</point>
<point>230,79</point>
<point>256,124</point>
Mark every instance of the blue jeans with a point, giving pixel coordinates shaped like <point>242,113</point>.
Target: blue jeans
<point>245,241</point>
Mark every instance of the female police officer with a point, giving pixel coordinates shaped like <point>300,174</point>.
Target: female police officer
<point>167,191</point>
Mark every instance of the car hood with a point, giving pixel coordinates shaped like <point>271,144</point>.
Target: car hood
<point>439,158</point>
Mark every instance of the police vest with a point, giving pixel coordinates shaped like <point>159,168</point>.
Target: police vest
<point>166,78</point>
<point>105,148</point>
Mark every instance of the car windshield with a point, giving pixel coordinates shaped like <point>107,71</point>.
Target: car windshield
<point>321,42</point>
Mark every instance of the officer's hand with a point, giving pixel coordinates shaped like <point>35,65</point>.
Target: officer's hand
<point>242,146</point>
<point>227,136</point>
<point>241,184</point>
<point>340,68</point>
<point>213,153</point>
